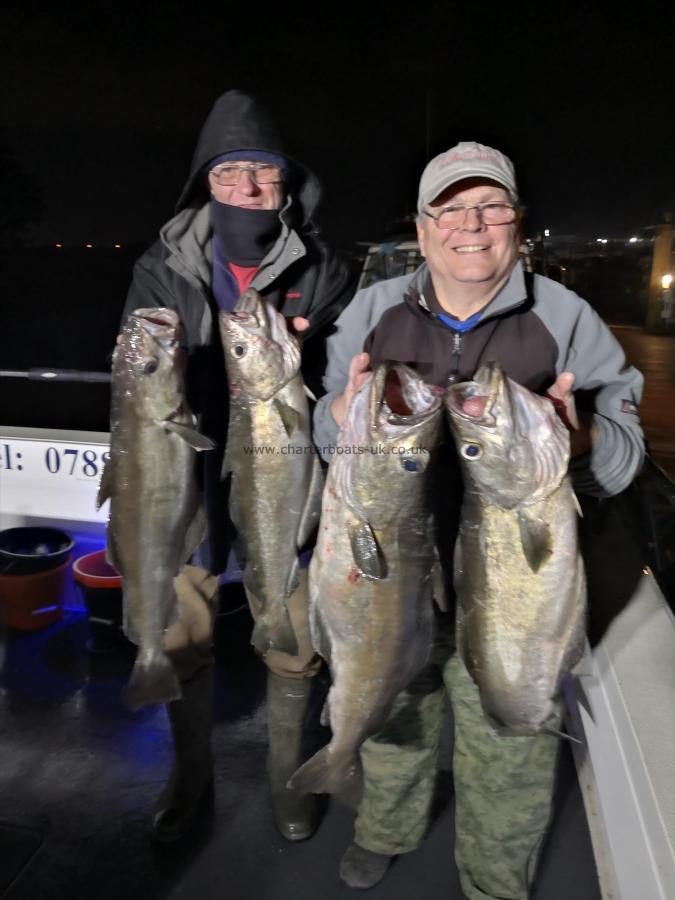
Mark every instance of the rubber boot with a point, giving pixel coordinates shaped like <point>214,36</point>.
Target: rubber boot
<point>296,815</point>
<point>361,868</point>
<point>189,790</point>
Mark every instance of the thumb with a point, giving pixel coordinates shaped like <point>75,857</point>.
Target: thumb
<point>563,385</point>
<point>300,323</point>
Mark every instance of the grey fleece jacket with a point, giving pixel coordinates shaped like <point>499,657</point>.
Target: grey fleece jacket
<point>535,333</point>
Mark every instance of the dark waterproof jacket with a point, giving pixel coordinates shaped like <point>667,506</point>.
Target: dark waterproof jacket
<point>300,276</point>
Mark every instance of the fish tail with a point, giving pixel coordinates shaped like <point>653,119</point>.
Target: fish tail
<point>153,680</point>
<point>275,635</point>
<point>328,773</point>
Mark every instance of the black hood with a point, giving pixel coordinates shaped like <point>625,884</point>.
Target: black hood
<point>238,122</point>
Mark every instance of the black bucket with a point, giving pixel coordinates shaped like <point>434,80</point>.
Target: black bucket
<point>28,550</point>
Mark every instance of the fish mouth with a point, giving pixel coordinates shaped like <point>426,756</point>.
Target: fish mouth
<point>255,314</point>
<point>162,325</point>
<point>486,386</point>
<point>250,310</point>
<point>399,396</point>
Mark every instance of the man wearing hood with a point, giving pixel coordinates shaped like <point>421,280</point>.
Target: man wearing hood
<point>243,219</point>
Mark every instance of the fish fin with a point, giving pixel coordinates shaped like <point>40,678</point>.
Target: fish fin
<point>290,417</point>
<point>327,773</point>
<point>106,488</point>
<point>582,697</point>
<point>312,511</point>
<point>535,537</point>
<point>309,393</point>
<point>577,505</point>
<point>153,680</point>
<point>366,552</point>
<point>275,635</point>
<point>190,435</point>
<point>562,735</point>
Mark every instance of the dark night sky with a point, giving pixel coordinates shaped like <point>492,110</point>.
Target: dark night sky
<point>103,108</point>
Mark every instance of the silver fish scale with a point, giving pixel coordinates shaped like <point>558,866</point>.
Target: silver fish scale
<point>156,519</point>
<point>374,632</point>
<point>521,623</point>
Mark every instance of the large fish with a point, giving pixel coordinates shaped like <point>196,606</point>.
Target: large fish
<point>275,495</point>
<point>518,570</point>
<point>371,572</point>
<point>156,519</point>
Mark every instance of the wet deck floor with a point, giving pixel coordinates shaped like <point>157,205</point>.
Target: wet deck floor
<point>79,774</point>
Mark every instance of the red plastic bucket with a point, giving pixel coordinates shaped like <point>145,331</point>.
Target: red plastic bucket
<point>28,602</point>
<point>101,586</point>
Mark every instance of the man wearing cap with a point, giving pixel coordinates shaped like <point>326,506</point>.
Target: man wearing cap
<point>471,302</point>
<point>243,219</point>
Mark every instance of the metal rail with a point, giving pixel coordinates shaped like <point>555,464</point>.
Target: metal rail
<point>48,375</point>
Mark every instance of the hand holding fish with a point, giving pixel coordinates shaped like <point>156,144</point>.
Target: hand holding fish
<point>580,429</point>
<point>358,373</point>
<point>298,324</point>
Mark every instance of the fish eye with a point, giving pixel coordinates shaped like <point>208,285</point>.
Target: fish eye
<point>151,367</point>
<point>239,350</point>
<point>471,451</point>
<point>412,465</point>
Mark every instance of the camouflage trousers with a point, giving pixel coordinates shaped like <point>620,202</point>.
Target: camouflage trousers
<point>503,785</point>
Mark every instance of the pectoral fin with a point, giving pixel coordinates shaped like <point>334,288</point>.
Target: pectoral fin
<point>367,555</point>
<point>190,435</point>
<point>577,505</point>
<point>107,485</point>
<point>535,537</point>
<point>290,417</point>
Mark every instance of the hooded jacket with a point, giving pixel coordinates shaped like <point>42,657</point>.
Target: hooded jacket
<point>299,276</point>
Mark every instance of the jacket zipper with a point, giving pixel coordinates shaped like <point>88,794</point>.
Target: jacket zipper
<point>457,353</point>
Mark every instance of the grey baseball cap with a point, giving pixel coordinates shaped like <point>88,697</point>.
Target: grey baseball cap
<point>467,160</point>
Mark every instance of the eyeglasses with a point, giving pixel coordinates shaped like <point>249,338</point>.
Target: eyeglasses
<point>489,213</point>
<point>260,173</point>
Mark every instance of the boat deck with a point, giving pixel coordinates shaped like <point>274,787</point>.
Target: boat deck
<point>80,774</point>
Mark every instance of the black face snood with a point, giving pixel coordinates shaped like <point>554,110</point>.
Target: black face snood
<point>245,235</point>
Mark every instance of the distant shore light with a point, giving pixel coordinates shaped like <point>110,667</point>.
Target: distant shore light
<point>547,232</point>
<point>632,240</point>
<point>88,246</point>
<point>117,246</point>
<point>59,246</point>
